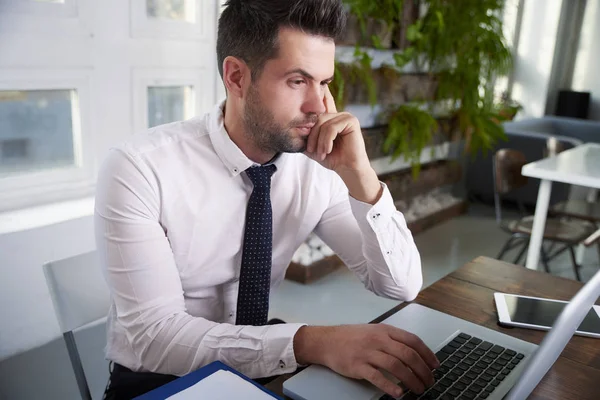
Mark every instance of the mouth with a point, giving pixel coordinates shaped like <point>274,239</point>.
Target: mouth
<point>305,129</point>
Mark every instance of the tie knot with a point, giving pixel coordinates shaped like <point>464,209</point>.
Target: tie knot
<point>261,176</point>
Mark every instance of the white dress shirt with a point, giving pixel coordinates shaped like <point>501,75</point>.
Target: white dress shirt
<point>169,215</point>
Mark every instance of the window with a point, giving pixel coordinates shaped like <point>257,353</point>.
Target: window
<point>46,150</point>
<point>36,130</point>
<point>178,10</point>
<point>169,103</point>
<point>14,149</point>
<point>169,19</point>
<point>47,8</point>
<point>75,82</point>
<point>166,95</point>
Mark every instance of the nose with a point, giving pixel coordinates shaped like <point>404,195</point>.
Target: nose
<point>313,104</point>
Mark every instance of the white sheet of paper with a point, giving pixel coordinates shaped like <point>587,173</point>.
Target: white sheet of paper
<point>222,385</point>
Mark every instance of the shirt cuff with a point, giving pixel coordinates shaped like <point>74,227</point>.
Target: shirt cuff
<point>279,356</point>
<point>374,216</point>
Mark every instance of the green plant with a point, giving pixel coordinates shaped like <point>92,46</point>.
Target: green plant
<point>357,72</point>
<point>461,44</point>
<point>386,11</point>
<point>507,108</point>
<point>410,130</point>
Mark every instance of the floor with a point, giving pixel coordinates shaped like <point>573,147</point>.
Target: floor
<point>338,298</point>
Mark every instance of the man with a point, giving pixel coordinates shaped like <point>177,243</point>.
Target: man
<point>196,221</point>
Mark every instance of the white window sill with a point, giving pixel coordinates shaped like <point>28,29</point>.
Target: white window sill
<point>49,214</point>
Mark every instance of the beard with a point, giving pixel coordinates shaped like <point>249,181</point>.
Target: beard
<point>266,133</point>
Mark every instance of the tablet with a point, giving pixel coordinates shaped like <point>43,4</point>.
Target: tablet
<point>538,313</point>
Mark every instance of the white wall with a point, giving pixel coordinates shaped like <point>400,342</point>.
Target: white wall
<point>585,76</point>
<point>98,40</point>
<point>533,62</point>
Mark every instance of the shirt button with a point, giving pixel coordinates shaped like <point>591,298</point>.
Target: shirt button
<point>235,170</point>
<point>281,364</point>
<point>231,314</point>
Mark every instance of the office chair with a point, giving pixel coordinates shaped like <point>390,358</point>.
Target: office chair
<point>507,165</point>
<point>80,296</point>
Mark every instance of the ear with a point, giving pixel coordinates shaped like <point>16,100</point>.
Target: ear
<point>236,76</point>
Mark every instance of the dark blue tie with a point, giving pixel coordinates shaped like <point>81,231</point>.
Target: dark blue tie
<point>255,273</point>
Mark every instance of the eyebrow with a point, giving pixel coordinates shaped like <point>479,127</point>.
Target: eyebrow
<point>307,75</point>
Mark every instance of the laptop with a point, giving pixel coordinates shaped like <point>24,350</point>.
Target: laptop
<point>476,362</point>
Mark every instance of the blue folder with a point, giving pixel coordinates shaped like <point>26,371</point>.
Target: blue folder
<point>192,378</point>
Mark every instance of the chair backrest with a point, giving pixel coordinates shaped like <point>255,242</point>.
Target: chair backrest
<point>553,147</point>
<point>80,296</point>
<point>507,170</point>
<point>78,290</point>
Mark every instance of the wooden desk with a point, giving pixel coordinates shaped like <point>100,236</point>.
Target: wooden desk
<point>468,294</point>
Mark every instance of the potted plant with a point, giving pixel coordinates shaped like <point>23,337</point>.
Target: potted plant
<point>507,108</point>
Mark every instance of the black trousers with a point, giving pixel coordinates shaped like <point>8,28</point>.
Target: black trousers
<point>125,384</point>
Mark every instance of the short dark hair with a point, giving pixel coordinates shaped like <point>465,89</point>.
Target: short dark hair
<point>249,29</point>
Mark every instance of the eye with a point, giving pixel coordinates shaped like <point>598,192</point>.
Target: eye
<point>298,81</point>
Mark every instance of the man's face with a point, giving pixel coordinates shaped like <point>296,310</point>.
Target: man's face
<point>283,104</point>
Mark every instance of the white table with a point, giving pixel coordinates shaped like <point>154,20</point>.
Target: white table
<point>577,166</point>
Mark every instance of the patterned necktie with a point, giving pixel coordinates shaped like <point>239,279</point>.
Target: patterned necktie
<point>255,273</point>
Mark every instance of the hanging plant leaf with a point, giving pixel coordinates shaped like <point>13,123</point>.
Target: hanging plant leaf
<point>461,44</point>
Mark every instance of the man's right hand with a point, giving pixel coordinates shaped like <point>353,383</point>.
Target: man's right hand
<point>362,351</point>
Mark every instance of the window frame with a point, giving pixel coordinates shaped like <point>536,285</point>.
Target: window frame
<point>143,78</point>
<point>144,27</point>
<point>43,186</point>
<point>67,9</point>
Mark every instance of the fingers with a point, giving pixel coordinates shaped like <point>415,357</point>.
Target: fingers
<point>374,376</point>
<point>313,137</point>
<point>323,134</point>
<point>327,134</point>
<point>414,342</point>
<point>420,376</point>
<point>397,368</point>
<point>329,101</point>
<point>315,133</point>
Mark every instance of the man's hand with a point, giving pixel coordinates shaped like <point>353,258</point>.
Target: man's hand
<point>336,142</point>
<point>362,351</point>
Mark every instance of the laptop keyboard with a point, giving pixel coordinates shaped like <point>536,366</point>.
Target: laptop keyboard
<point>471,368</point>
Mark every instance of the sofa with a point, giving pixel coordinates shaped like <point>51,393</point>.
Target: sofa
<point>530,136</point>
<point>580,129</point>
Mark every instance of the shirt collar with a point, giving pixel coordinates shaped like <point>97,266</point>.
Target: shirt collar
<point>230,154</point>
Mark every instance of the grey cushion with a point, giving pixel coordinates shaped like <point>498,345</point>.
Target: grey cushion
<point>580,129</point>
